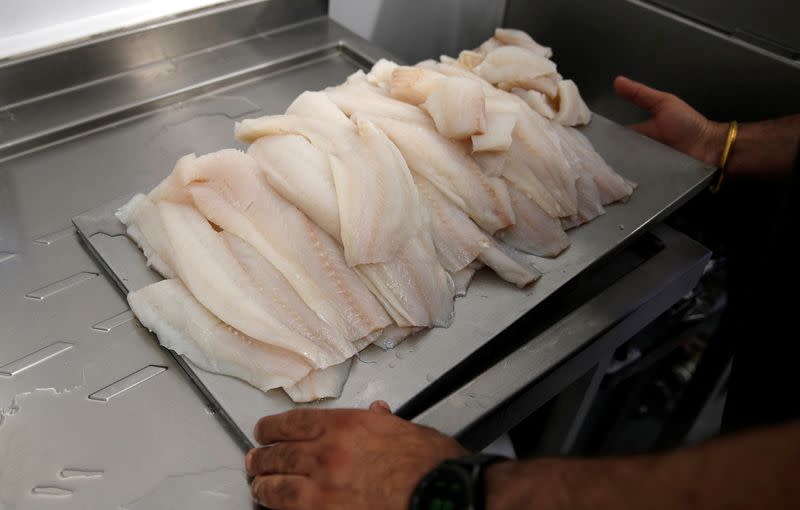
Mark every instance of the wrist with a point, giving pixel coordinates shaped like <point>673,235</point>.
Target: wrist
<point>715,137</point>
<point>532,484</point>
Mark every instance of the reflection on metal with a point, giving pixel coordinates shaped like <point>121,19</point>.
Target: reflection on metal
<point>127,383</point>
<point>112,322</point>
<point>52,237</point>
<point>80,473</point>
<point>50,491</point>
<point>35,358</point>
<point>5,255</point>
<point>59,286</point>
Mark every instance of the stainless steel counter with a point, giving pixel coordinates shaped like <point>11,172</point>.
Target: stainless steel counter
<point>92,412</point>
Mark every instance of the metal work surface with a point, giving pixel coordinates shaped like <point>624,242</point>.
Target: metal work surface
<point>93,413</point>
<point>490,306</point>
<point>504,393</point>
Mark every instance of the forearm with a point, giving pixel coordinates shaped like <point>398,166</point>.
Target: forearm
<point>762,149</point>
<point>754,470</point>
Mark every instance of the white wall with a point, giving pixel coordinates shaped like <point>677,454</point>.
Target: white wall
<point>28,25</point>
<point>418,29</point>
<point>411,29</point>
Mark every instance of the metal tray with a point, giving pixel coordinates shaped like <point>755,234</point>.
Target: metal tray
<point>666,178</point>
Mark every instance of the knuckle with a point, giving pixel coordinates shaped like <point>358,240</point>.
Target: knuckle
<point>287,491</point>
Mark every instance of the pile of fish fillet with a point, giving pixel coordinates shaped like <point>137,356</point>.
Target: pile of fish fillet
<point>359,215</point>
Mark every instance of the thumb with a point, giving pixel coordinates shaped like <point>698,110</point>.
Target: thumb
<point>379,406</point>
<point>638,93</point>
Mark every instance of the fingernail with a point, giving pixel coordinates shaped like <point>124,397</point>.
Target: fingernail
<point>254,489</point>
<point>248,461</point>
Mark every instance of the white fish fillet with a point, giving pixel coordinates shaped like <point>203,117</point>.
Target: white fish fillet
<point>413,288</point>
<point>590,205</point>
<point>140,216</point>
<point>572,110</point>
<point>457,108</point>
<point>228,188</point>
<point>392,336</point>
<point>319,384</point>
<point>492,163</point>
<point>535,231</point>
<point>208,268</point>
<point>413,85</point>
<point>523,171</point>
<point>498,132</point>
<point>381,73</point>
<point>357,95</point>
<point>376,202</point>
<point>512,66</point>
<point>171,188</point>
<point>284,301</point>
<point>183,325</point>
<point>535,150</point>
<point>469,58</point>
<point>488,45</point>
<point>446,164</point>
<point>459,241</point>
<point>513,37</point>
<point>463,278</point>
<point>612,186</point>
<point>537,101</point>
<point>301,173</point>
<point>317,105</point>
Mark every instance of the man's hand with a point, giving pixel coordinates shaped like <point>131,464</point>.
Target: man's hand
<point>674,122</point>
<point>764,149</point>
<point>343,458</point>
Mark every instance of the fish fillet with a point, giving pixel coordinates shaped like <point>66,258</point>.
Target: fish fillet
<point>141,217</point>
<point>183,325</point>
<point>375,200</point>
<point>572,110</point>
<point>513,37</point>
<point>284,301</point>
<point>512,66</point>
<point>319,384</point>
<point>537,101</point>
<point>446,164</point>
<point>611,186</point>
<point>228,188</point>
<point>459,241</point>
<point>301,173</point>
<point>463,278</point>
<point>457,108</point>
<point>209,270</point>
<point>535,231</point>
<point>412,286</point>
<point>360,95</point>
<point>590,205</point>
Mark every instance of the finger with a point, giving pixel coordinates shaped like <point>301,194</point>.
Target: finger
<point>638,93</point>
<point>281,458</point>
<point>297,425</point>
<point>285,492</point>
<point>380,406</point>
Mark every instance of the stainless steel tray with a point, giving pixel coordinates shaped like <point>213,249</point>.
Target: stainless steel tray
<point>665,178</point>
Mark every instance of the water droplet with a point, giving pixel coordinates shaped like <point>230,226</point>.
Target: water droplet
<point>430,378</point>
<point>391,365</point>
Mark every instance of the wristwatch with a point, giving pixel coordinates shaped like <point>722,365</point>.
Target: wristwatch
<point>456,484</point>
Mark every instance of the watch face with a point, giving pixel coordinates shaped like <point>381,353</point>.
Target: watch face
<point>446,488</point>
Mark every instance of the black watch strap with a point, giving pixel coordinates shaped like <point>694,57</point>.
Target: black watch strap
<point>479,462</point>
<point>468,474</point>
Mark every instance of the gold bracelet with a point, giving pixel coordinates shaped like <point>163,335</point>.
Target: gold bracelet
<point>733,130</point>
